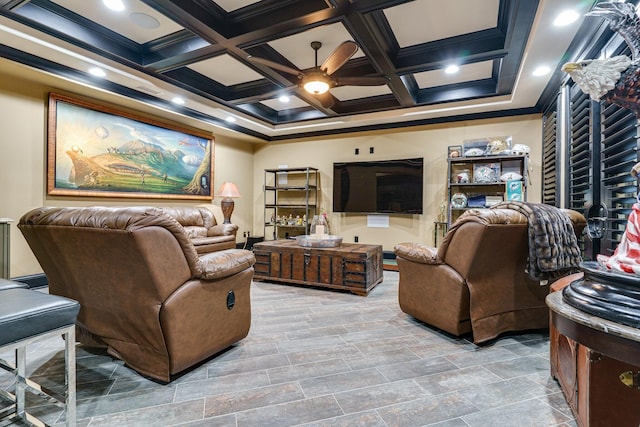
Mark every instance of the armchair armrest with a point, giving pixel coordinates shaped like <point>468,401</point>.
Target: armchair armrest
<point>418,252</point>
<point>216,265</point>
<point>223,230</point>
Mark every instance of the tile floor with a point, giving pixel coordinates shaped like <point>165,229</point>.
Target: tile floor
<point>324,358</point>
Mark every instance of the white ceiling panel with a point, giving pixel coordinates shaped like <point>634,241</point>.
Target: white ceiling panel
<point>225,70</point>
<point>423,21</point>
<point>231,5</point>
<point>467,73</point>
<point>345,93</point>
<point>137,22</point>
<point>276,104</point>
<point>297,48</point>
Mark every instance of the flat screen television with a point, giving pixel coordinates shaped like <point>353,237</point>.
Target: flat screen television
<point>383,186</point>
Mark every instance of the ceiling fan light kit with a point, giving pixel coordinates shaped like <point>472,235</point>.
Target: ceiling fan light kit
<point>315,83</point>
<point>318,81</point>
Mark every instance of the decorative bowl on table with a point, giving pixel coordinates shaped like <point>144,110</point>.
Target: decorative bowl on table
<point>318,241</point>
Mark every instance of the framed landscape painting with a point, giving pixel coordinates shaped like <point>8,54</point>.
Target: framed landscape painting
<point>99,151</point>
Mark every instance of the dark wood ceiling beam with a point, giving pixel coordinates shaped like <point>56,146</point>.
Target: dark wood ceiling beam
<point>371,104</point>
<point>474,47</point>
<point>194,16</point>
<point>259,91</point>
<point>298,115</point>
<point>261,32</point>
<point>177,47</point>
<point>260,110</point>
<point>458,92</point>
<point>520,15</point>
<point>12,4</point>
<point>369,38</point>
<point>368,6</point>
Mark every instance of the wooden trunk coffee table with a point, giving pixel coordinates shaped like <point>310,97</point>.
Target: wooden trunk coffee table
<point>351,266</point>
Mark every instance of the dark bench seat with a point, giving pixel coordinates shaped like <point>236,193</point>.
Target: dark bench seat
<point>27,316</point>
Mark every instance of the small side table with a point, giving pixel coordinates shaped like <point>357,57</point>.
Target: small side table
<point>590,357</point>
<point>439,230</point>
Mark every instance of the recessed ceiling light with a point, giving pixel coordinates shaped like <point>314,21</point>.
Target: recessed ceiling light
<point>98,72</point>
<point>565,18</point>
<point>230,119</point>
<point>178,100</point>
<point>284,99</point>
<point>116,5</point>
<point>543,70</point>
<point>451,69</point>
<point>143,20</point>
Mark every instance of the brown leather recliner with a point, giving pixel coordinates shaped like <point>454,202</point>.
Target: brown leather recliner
<point>203,230</point>
<point>146,295</point>
<point>475,281</point>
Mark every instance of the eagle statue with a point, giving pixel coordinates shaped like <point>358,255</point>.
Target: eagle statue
<point>616,79</point>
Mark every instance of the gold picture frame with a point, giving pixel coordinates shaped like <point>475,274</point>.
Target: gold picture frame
<point>99,151</point>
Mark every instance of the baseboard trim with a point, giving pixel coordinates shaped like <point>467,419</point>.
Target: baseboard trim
<point>33,280</point>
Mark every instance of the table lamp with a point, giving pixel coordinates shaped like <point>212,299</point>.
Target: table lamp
<point>228,191</point>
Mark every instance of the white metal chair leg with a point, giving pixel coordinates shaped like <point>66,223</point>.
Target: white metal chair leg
<point>70,375</point>
<point>21,379</point>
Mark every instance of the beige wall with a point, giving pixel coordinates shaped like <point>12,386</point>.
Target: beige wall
<point>429,142</point>
<point>23,107</point>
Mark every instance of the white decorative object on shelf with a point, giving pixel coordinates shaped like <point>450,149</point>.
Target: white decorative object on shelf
<point>510,176</point>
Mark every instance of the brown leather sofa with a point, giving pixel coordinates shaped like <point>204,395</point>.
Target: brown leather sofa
<point>146,295</point>
<point>203,230</point>
<point>475,281</point>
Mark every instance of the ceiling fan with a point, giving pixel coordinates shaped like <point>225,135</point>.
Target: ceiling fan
<point>318,81</point>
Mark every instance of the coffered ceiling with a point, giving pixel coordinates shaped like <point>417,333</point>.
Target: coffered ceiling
<point>205,51</point>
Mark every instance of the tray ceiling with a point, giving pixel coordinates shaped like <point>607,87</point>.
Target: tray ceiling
<point>200,51</point>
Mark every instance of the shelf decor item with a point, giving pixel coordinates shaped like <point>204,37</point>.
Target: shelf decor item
<point>459,201</point>
<point>475,147</point>
<point>515,191</point>
<point>319,226</point>
<point>499,146</point>
<point>455,151</point>
<point>463,177</point>
<point>486,172</point>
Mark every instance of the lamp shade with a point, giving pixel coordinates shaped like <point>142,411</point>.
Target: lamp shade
<point>228,189</point>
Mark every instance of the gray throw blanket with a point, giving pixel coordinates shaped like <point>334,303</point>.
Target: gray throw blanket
<point>553,246</point>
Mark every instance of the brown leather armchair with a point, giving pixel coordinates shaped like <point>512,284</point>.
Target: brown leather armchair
<point>203,230</point>
<point>475,281</point>
<point>146,295</point>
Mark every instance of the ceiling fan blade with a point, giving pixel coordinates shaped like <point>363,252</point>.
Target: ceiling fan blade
<point>326,99</point>
<point>339,57</point>
<point>361,81</point>
<point>275,65</point>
